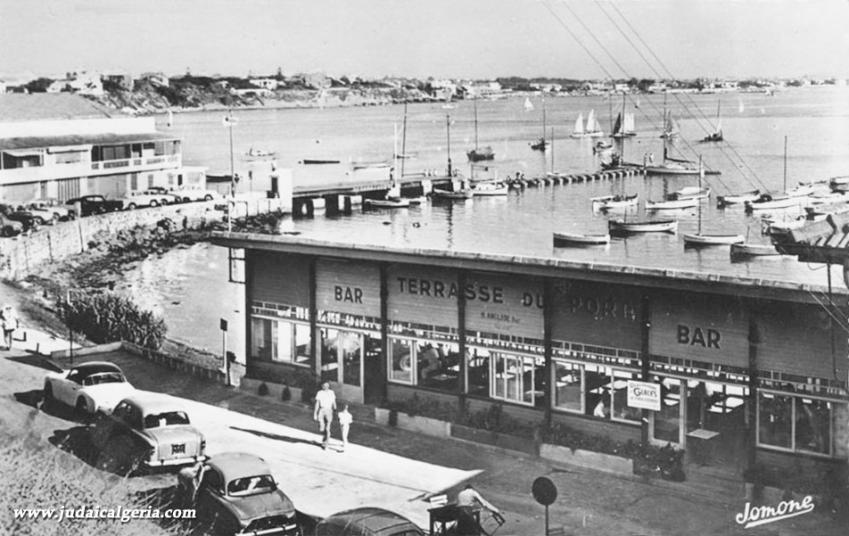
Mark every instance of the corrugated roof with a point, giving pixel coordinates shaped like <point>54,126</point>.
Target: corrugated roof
<point>43,106</point>
<point>87,139</point>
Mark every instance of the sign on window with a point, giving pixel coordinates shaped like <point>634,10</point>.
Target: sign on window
<point>644,395</point>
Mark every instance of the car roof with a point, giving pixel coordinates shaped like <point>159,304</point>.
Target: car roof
<point>233,465</point>
<point>154,403</point>
<point>93,367</point>
<point>373,520</point>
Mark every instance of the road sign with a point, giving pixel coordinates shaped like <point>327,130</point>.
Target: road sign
<point>544,491</point>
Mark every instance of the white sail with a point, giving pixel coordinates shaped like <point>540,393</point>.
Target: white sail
<point>629,125</point>
<point>591,122</point>
<point>579,124</point>
<point>740,107</point>
<point>170,118</point>
<point>529,106</point>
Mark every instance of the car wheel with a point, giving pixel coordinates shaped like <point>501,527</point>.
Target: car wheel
<point>56,218</point>
<point>154,203</point>
<point>39,220</point>
<point>47,399</point>
<point>207,197</point>
<point>131,206</point>
<point>81,410</point>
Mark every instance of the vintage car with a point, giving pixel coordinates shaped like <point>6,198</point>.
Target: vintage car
<point>367,521</point>
<point>196,193</point>
<point>10,227</point>
<point>50,211</point>
<point>237,491</point>
<point>87,387</point>
<point>21,215</point>
<point>151,430</point>
<point>95,204</point>
<point>134,200</point>
<point>165,197</point>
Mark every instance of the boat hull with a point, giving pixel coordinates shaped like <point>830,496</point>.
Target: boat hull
<point>712,240</point>
<point>660,226</point>
<point>754,250</point>
<point>672,205</point>
<point>737,199</point>
<point>386,203</point>
<point>572,239</point>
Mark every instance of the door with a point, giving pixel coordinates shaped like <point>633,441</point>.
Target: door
<point>374,382</point>
<point>666,423</point>
<point>342,361</point>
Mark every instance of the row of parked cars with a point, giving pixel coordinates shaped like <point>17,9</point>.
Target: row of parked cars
<point>235,492</point>
<point>18,219</point>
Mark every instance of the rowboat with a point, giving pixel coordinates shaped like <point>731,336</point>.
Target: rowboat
<point>650,226</point>
<point>692,192</point>
<point>672,203</point>
<point>831,198</point>
<point>616,201</point>
<point>737,199</point>
<point>753,250</point>
<point>839,184</point>
<point>574,239</point>
<point>712,239</point>
<point>802,190</point>
<point>315,161</point>
<point>389,202</point>
<point>767,202</point>
<point>447,194</point>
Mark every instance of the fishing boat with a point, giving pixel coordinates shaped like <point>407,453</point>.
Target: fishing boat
<point>700,239</point>
<point>768,202</point>
<point>624,125</point>
<point>592,130</point>
<point>490,188</point>
<point>574,239</point>
<point>462,194</point>
<point>388,202</point>
<point>716,135</point>
<point>743,250</point>
<point>694,192</point>
<point>255,154</point>
<point>479,153</point>
<point>672,203</point>
<point>616,201</point>
<point>648,226</point>
<point>541,143</point>
<point>737,199</point>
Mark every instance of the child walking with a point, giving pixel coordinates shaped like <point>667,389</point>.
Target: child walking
<point>345,420</point>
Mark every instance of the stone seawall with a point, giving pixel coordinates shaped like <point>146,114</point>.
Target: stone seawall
<point>20,255</point>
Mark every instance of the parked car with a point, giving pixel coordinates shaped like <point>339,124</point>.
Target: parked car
<point>50,211</point>
<point>367,521</point>
<point>10,227</point>
<point>88,387</point>
<point>148,430</point>
<point>96,204</point>
<point>165,197</point>
<point>134,200</point>
<point>237,491</point>
<point>19,214</point>
<point>196,193</point>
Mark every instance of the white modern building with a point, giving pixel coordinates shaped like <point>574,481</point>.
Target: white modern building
<point>59,145</point>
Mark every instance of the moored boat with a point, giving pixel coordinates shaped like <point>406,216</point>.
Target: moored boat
<point>672,203</point>
<point>616,201</point>
<point>768,202</point>
<point>490,188</point>
<point>257,154</point>
<point>839,184</point>
<point>737,199</point>
<point>647,226</point>
<point>700,239</point>
<point>692,192</point>
<point>574,239</point>
<point>438,193</point>
<point>746,249</point>
<point>389,202</point>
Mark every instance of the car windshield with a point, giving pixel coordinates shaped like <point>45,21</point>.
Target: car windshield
<point>104,377</point>
<point>251,485</point>
<point>168,418</point>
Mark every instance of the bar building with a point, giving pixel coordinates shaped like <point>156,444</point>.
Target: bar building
<point>58,145</point>
<point>755,370</point>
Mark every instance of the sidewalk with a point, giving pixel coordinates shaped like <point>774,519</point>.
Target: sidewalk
<point>588,503</point>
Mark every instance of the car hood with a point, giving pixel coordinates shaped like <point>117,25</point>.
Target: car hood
<point>259,506</point>
<point>107,395</point>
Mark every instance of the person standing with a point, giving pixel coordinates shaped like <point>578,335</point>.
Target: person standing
<point>325,405</point>
<point>10,324</point>
<point>345,420</point>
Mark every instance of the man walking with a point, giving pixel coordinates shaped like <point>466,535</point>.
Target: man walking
<point>325,405</point>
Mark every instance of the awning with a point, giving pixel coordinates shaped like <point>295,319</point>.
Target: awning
<point>21,153</point>
<point>70,149</point>
<point>76,140</point>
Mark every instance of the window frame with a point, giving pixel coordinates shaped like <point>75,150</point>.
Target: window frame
<point>293,340</point>
<point>793,448</point>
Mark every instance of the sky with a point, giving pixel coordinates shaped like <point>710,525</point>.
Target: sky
<point>586,39</point>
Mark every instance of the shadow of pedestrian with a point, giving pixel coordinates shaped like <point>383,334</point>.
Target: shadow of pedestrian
<point>278,437</point>
<point>30,398</point>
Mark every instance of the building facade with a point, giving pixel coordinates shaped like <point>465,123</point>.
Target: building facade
<point>737,372</point>
<point>63,146</point>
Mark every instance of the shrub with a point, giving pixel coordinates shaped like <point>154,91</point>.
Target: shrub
<point>263,389</point>
<point>286,395</point>
<point>426,407</point>
<point>105,316</point>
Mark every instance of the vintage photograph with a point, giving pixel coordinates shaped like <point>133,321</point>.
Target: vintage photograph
<point>424,268</point>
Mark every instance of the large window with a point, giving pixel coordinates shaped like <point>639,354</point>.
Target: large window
<point>425,363</point>
<point>794,423</point>
<point>477,370</point>
<point>518,378</point>
<point>280,340</point>
<point>594,390</point>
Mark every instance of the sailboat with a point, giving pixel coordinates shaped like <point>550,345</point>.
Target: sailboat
<point>702,239</point>
<point>479,153</point>
<point>592,130</point>
<point>529,106</point>
<point>393,198</point>
<point>716,135</point>
<point>463,192</point>
<point>670,126</point>
<point>170,121</point>
<point>670,166</point>
<point>624,125</point>
<point>790,198</point>
<point>540,144</point>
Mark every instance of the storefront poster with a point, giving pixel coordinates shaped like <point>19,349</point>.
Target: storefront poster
<point>644,395</point>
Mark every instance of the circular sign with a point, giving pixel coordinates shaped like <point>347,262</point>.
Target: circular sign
<point>544,491</point>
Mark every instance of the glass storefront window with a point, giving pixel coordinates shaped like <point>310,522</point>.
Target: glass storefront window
<point>518,378</point>
<point>329,355</point>
<point>620,411</point>
<point>261,338</point>
<point>597,382</point>
<point>438,365</point>
<point>567,386</point>
<point>401,360</point>
<point>775,420</point>
<point>667,421</point>
<point>302,343</point>
<point>813,425</point>
<point>350,351</point>
<point>478,371</point>
<point>277,340</point>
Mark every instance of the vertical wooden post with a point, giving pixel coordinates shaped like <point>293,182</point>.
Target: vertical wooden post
<point>462,387</point>
<point>547,324</point>
<point>316,359</point>
<point>645,353</point>
<point>248,299</point>
<point>384,328</point>
<point>752,399</point>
